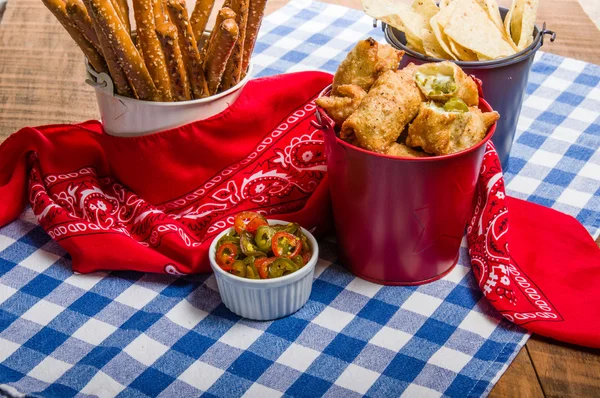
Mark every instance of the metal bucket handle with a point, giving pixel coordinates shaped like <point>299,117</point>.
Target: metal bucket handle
<point>545,32</point>
<point>99,81</point>
<point>326,124</point>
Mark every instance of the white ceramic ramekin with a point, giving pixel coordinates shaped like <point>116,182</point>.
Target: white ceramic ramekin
<point>265,299</point>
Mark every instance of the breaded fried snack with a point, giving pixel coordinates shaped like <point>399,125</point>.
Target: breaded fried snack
<point>442,81</point>
<point>390,105</point>
<point>365,63</point>
<point>441,131</point>
<point>339,108</point>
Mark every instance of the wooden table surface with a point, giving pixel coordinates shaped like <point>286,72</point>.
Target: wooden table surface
<point>41,82</point>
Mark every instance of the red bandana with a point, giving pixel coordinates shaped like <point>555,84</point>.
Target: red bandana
<point>154,203</point>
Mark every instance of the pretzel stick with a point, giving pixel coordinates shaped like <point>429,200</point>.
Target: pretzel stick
<point>143,11</point>
<point>255,16</point>
<point>199,17</point>
<point>224,13</point>
<point>180,86</point>
<point>160,12</point>
<point>219,52</point>
<point>79,15</point>
<point>191,55</point>
<point>57,7</point>
<point>233,71</point>
<point>123,14</point>
<point>116,72</point>
<point>124,8</point>
<point>129,58</point>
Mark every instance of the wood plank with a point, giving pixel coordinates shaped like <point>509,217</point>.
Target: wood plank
<point>565,370</point>
<point>519,380</point>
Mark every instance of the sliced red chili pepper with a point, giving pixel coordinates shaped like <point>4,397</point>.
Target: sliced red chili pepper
<point>256,222</point>
<point>243,219</point>
<point>306,257</point>
<point>285,244</point>
<point>227,253</point>
<point>262,265</point>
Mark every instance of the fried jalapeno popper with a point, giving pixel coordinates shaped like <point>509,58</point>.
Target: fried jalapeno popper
<point>340,107</point>
<point>389,106</point>
<point>365,63</point>
<point>445,80</point>
<point>417,111</point>
<point>444,130</point>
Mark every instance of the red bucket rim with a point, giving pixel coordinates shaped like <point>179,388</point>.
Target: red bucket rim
<point>483,105</point>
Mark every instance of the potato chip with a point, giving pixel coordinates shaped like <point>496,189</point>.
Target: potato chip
<point>444,3</point>
<point>491,9</point>
<point>425,8</point>
<point>398,15</point>
<point>441,37</point>
<point>507,20</point>
<point>415,43</point>
<point>473,29</point>
<point>431,45</point>
<point>523,22</point>
<point>463,54</point>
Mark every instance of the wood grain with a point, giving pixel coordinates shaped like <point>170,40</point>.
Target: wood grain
<point>41,82</point>
<point>565,370</point>
<point>519,380</point>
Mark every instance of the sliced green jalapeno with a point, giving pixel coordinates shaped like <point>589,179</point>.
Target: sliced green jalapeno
<point>281,267</point>
<point>248,247</point>
<point>263,237</point>
<point>239,269</point>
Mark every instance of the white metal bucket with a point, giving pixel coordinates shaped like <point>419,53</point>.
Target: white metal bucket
<point>128,117</point>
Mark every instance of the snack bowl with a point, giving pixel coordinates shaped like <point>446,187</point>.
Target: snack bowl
<point>265,299</point>
<point>400,220</point>
<point>130,117</point>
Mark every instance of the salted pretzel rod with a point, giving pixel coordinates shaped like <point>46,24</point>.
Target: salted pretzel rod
<point>200,15</point>
<point>223,14</point>
<point>117,74</point>
<point>160,12</point>
<point>180,86</point>
<point>79,15</point>
<point>122,10</point>
<point>219,52</point>
<point>189,47</point>
<point>143,11</point>
<point>129,58</point>
<point>58,8</point>
<point>256,12</point>
<point>233,71</point>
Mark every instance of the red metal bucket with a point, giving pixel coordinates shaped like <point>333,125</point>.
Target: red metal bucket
<point>400,221</point>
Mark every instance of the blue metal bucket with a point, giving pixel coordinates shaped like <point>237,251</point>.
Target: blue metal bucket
<point>504,80</point>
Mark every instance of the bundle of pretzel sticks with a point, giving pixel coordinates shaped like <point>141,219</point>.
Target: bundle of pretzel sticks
<point>165,59</point>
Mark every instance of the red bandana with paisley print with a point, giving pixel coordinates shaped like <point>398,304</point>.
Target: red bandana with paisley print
<point>154,203</point>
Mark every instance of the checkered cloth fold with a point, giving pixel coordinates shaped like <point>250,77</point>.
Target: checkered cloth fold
<point>132,334</point>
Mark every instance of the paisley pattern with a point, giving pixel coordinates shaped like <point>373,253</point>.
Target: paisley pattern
<point>277,176</point>
<point>502,281</point>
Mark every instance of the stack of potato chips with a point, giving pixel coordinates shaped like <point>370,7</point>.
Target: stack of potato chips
<point>462,30</point>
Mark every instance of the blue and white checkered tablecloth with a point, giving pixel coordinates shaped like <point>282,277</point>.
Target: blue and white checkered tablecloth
<point>132,335</point>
